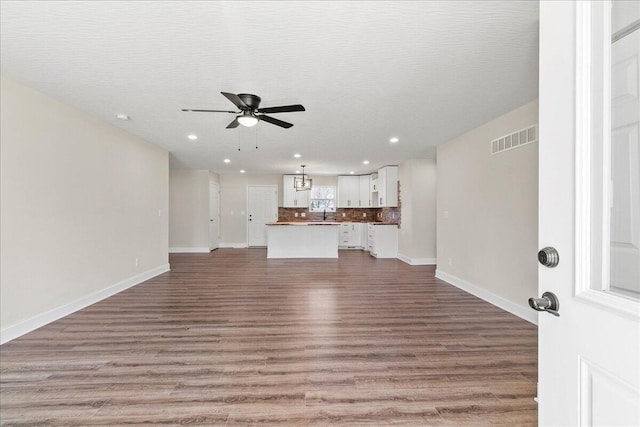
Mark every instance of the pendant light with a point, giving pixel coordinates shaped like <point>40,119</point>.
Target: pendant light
<point>300,183</point>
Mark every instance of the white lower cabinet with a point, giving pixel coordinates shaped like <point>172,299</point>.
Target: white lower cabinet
<point>364,236</point>
<point>350,235</point>
<point>382,240</point>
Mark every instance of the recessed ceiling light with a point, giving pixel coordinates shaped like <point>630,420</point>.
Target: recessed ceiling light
<point>366,162</point>
<point>227,160</point>
<point>352,172</point>
<point>122,117</point>
<point>241,170</point>
<point>394,140</point>
<point>297,156</point>
<point>192,137</point>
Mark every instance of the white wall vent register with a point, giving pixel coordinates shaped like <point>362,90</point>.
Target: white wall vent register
<point>514,140</point>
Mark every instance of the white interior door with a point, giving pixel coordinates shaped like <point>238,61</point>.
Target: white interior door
<point>262,208</point>
<point>214,215</point>
<point>589,356</point>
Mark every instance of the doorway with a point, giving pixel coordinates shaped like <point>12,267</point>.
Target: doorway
<point>214,215</point>
<point>262,207</point>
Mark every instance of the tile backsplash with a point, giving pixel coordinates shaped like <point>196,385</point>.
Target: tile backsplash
<point>348,215</point>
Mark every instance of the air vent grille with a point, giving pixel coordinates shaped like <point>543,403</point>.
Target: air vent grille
<point>514,140</point>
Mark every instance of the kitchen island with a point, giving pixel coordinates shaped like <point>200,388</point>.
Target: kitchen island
<point>302,239</point>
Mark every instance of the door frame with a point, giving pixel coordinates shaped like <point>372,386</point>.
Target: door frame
<point>273,186</point>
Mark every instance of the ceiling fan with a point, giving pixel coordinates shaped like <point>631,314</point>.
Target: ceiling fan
<point>249,113</point>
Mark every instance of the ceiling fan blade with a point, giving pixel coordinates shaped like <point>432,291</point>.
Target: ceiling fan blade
<point>234,124</point>
<point>236,100</point>
<point>275,121</point>
<point>209,111</point>
<point>282,109</point>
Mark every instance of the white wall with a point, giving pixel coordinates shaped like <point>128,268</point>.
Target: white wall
<point>189,210</point>
<point>189,206</point>
<point>417,234</point>
<point>233,205</point>
<point>487,217</point>
<point>80,201</point>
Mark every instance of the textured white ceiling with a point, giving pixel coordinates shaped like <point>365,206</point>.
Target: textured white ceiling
<point>424,71</point>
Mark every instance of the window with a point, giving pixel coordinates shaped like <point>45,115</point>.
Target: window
<point>322,198</point>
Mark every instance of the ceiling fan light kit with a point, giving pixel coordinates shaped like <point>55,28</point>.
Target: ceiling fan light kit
<point>247,119</point>
<point>249,113</point>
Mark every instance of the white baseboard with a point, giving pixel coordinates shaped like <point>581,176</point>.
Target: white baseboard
<point>417,261</point>
<point>189,250</point>
<point>14,331</point>
<point>522,311</point>
<point>233,245</point>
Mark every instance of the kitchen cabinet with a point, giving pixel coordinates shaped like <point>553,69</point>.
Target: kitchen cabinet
<point>354,191</point>
<point>385,192</point>
<point>364,236</point>
<point>365,191</point>
<point>348,191</point>
<point>373,183</point>
<point>291,197</point>
<point>350,234</point>
<point>382,240</point>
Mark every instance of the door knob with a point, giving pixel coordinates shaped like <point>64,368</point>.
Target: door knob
<point>549,303</point>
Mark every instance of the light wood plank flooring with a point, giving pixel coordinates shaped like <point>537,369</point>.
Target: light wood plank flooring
<point>231,338</point>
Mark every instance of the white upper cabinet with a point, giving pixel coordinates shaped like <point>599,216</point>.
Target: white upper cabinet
<point>365,191</point>
<point>373,184</point>
<point>387,188</point>
<point>291,197</point>
<point>354,191</point>
<point>348,191</point>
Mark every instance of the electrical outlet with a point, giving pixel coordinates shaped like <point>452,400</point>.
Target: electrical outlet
<point>296,214</point>
<point>343,214</point>
<point>137,262</point>
<point>303,214</point>
<point>364,214</point>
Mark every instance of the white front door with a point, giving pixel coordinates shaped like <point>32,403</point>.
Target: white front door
<point>262,208</point>
<point>214,215</point>
<point>589,192</point>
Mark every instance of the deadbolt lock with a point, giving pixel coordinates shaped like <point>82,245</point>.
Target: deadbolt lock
<point>548,257</point>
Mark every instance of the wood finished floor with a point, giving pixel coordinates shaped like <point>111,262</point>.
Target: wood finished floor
<point>231,338</point>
